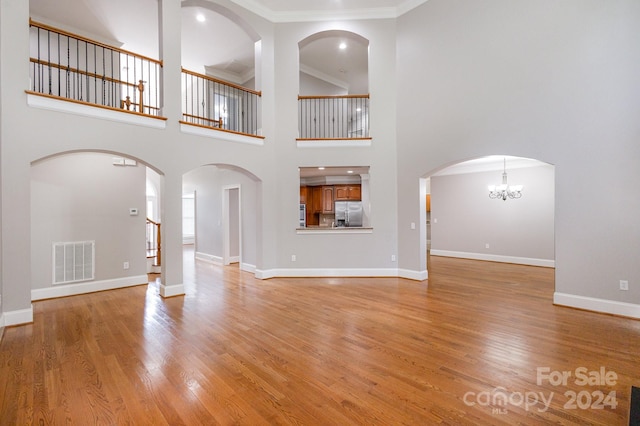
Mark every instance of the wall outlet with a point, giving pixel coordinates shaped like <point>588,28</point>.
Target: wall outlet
<point>413,225</point>
<point>486,245</point>
<point>393,257</point>
<point>125,265</point>
<point>293,257</point>
<point>624,285</point>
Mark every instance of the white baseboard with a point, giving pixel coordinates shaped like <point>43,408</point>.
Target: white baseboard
<point>342,272</point>
<point>171,290</point>
<point>247,267</point>
<point>21,316</point>
<point>234,259</point>
<point>547,263</point>
<point>597,305</point>
<point>209,258</point>
<point>87,287</point>
<point>413,275</point>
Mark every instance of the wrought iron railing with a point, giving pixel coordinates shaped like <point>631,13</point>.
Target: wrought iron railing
<point>333,117</point>
<point>79,69</point>
<point>213,103</point>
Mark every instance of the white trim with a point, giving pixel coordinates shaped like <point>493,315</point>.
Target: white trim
<point>340,272</point>
<point>283,16</point>
<point>329,230</point>
<point>219,134</point>
<point>597,305</point>
<point>87,287</point>
<point>44,102</point>
<point>333,143</point>
<point>547,263</point>
<point>208,258</point>
<point>324,77</point>
<point>171,290</point>
<point>413,275</point>
<point>247,267</point>
<point>226,240</point>
<point>21,316</point>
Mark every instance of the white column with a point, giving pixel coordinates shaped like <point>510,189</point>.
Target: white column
<point>171,283</point>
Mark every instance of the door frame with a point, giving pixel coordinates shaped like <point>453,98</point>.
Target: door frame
<point>227,259</point>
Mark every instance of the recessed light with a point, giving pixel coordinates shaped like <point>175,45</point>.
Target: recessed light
<point>349,171</point>
<point>200,17</point>
<point>320,168</point>
<point>342,45</point>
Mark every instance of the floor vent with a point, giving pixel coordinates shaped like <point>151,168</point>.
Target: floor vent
<point>73,262</point>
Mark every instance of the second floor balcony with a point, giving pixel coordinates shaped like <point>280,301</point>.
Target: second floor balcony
<point>74,68</point>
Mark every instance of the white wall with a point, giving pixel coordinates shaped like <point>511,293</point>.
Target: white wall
<point>464,219</point>
<point>208,182</point>
<point>310,85</point>
<point>553,81</point>
<point>82,197</point>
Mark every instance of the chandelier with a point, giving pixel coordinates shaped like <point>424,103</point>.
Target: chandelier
<point>504,191</point>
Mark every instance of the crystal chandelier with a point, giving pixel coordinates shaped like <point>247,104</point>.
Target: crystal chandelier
<point>504,191</point>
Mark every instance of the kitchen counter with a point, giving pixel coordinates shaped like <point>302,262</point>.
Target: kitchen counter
<point>334,230</point>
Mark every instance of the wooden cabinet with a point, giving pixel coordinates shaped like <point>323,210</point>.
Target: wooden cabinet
<point>347,193</point>
<point>327,199</point>
<point>319,200</point>
<point>316,195</point>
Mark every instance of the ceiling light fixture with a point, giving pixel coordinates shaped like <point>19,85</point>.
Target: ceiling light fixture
<point>200,17</point>
<point>504,191</point>
<point>342,45</point>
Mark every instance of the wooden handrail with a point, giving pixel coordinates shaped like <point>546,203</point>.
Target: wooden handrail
<point>218,129</point>
<point>226,83</point>
<point>218,121</point>
<point>152,222</point>
<point>158,241</point>
<point>86,73</point>
<point>365,96</point>
<point>40,25</point>
<point>62,98</point>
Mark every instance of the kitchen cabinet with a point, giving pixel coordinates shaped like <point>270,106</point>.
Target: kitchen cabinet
<point>318,200</point>
<point>327,199</point>
<point>347,193</point>
<point>322,197</point>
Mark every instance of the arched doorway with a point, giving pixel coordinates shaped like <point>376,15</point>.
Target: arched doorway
<point>462,220</point>
<point>88,223</point>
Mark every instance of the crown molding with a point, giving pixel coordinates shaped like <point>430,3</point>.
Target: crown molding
<point>328,15</point>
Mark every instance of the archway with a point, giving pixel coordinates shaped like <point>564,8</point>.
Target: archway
<point>227,214</point>
<point>90,206</point>
<point>462,220</point>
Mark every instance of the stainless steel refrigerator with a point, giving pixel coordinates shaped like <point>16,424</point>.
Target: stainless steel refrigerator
<point>348,213</point>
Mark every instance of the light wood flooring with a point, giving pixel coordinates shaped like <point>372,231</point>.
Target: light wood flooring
<point>463,348</point>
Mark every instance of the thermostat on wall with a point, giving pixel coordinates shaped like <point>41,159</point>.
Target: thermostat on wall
<point>133,211</point>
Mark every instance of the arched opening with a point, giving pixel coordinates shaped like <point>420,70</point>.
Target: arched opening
<point>333,101</point>
<point>334,63</point>
<point>462,220</point>
<point>216,42</point>
<point>226,214</point>
<point>220,77</point>
<point>88,222</point>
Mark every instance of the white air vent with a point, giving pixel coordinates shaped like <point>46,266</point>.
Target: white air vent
<point>73,262</point>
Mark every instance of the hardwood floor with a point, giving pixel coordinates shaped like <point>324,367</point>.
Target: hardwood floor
<point>464,349</point>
